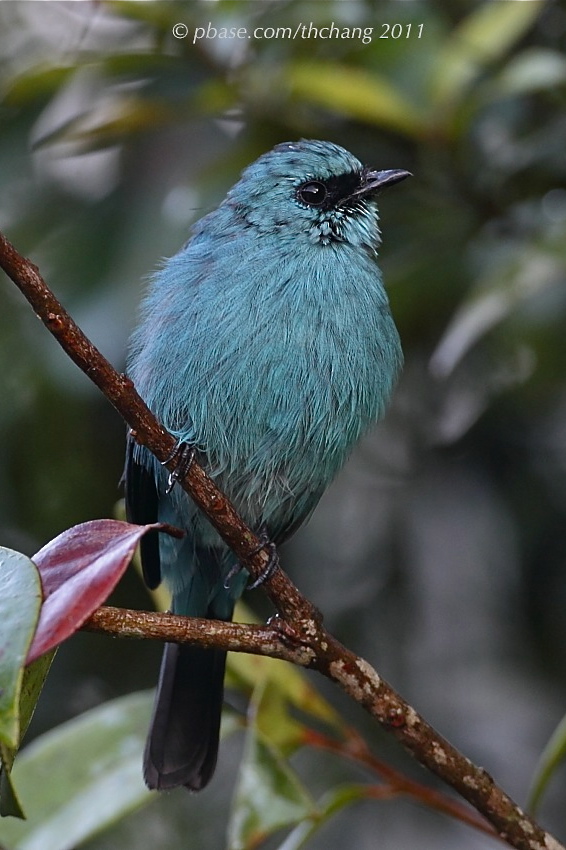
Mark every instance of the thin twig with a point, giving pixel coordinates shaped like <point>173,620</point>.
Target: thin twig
<point>299,625</point>
<point>354,747</point>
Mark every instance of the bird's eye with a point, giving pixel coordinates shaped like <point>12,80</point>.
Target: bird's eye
<point>312,193</point>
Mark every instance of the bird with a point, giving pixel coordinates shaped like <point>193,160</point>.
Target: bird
<point>267,346</point>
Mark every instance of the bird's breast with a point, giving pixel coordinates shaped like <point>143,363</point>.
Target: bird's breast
<point>304,360</point>
<point>272,361</point>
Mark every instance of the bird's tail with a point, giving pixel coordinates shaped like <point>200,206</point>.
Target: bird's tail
<point>182,744</point>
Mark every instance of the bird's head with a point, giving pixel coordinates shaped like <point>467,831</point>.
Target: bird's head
<point>312,190</point>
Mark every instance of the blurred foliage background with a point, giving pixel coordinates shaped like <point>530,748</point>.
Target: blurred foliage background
<point>440,552</point>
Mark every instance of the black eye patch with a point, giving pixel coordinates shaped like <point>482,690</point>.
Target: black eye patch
<point>329,193</point>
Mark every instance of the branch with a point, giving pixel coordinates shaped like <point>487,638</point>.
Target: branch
<point>212,634</point>
<point>297,634</point>
<point>120,391</point>
<point>354,748</point>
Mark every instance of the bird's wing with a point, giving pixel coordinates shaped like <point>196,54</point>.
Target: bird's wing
<point>140,491</point>
<point>307,505</point>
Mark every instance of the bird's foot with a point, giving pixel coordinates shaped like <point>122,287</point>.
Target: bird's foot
<point>270,567</point>
<point>183,454</point>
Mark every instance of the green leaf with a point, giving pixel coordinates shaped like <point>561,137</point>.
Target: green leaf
<point>41,82</point>
<point>357,93</point>
<point>481,39</point>
<point>269,794</point>
<point>20,602</point>
<point>275,721</point>
<point>10,805</point>
<point>33,680</point>
<point>331,804</point>
<point>552,757</point>
<point>19,687</point>
<point>81,777</point>
<point>248,671</point>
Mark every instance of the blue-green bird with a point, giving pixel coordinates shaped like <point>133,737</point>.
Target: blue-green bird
<point>267,344</point>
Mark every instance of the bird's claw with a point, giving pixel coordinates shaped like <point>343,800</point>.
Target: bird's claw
<point>270,568</point>
<point>183,454</point>
<point>271,565</point>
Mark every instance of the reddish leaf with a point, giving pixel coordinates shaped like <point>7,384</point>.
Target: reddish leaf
<point>79,569</point>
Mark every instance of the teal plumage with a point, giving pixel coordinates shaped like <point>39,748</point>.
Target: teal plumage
<point>267,343</point>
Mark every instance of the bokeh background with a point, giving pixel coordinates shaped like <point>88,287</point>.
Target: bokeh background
<point>440,552</point>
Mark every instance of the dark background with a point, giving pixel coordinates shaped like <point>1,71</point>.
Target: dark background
<point>439,553</point>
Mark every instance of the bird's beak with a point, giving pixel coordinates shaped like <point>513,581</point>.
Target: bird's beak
<point>375,181</point>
